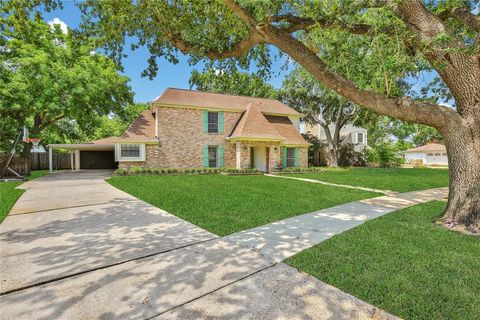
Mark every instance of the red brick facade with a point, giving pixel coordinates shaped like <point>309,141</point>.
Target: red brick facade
<point>182,139</point>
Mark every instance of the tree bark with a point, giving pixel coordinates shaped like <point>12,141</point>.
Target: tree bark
<point>463,144</point>
<point>332,154</point>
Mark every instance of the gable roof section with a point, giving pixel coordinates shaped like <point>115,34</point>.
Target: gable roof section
<point>254,125</point>
<point>209,100</point>
<point>287,130</point>
<point>429,147</point>
<point>141,130</point>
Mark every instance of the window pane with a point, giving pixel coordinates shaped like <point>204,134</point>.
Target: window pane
<point>213,122</point>
<point>360,137</point>
<point>212,156</point>
<point>430,154</point>
<point>290,157</point>
<point>130,150</point>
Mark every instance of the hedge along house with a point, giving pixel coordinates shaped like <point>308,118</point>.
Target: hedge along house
<point>192,129</point>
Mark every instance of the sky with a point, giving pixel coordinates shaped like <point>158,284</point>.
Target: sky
<point>169,75</point>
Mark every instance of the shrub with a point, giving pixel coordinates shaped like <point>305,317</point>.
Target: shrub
<point>384,155</point>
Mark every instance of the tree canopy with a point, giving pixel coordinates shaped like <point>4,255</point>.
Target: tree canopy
<point>232,82</point>
<point>54,80</point>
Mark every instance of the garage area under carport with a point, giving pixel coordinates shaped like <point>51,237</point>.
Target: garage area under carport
<point>98,154</point>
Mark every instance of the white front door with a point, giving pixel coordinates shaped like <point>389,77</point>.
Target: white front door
<point>259,158</point>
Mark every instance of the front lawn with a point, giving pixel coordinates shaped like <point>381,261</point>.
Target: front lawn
<point>9,195</point>
<point>404,264</point>
<point>227,204</point>
<point>398,179</point>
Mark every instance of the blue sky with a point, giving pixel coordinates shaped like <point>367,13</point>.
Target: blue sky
<point>169,75</point>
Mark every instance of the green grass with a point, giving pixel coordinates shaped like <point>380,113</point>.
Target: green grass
<point>227,204</point>
<point>9,195</point>
<point>404,264</point>
<point>402,179</point>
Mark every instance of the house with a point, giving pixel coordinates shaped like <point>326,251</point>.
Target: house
<point>348,134</point>
<point>429,154</point>
<point>192,129</point>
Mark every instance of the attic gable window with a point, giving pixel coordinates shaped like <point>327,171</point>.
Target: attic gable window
<point>360,138</point>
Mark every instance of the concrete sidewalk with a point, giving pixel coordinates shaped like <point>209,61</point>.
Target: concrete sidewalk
<point>282,239</point>
<point>126,259</point>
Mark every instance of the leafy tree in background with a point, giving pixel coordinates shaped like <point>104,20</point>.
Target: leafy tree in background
<point>53,82</point>
<point>232,82</point>
<point>320,106</point>
<point>393,38</point>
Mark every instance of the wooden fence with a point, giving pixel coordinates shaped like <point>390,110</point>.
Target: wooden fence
<point>19,165</point>
<point>37,161</point>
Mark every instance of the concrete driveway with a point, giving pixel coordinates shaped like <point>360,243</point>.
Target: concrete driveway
<point>73,222</point>
<point>74,247</point>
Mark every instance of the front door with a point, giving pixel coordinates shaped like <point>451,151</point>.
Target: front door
<point>259,158</point>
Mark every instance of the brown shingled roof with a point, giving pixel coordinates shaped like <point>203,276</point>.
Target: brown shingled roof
<point>429,147</point>
<point>287,130</point>
<point>108,140</point>
<point>142,129</point>
<point>182,97</point>
<point>254,125</point>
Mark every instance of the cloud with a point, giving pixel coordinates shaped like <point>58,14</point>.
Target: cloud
<point>63,25</point>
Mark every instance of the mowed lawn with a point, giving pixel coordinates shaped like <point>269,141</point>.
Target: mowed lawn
<point>404,264</point>
<point>9,195</point>
<point>227,204</point>
<point>395,179</point>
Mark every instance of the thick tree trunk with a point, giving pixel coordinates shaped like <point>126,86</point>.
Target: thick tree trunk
<point>463,145</point>
<point>332,157</point>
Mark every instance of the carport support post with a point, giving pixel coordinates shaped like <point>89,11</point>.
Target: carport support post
<point>71,161</point>
<point>50,159</point>
<point>77,159</point>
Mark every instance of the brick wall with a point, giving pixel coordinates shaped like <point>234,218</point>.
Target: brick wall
<point>181,136</point>
<point>180,131</point>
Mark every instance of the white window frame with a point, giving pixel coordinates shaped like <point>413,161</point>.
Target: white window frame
<point>118,152</point>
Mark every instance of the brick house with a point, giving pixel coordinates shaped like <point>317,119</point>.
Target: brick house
<point>192,129</point>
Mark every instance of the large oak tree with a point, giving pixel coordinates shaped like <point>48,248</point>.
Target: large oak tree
<point>438,35</point>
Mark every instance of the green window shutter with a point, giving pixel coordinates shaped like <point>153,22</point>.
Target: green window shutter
<point>284,157</point>
<point>205,121</point>
<point>220,122</point>
<point>220,156</point>
<point>297,162</point>
<point>205,155</point>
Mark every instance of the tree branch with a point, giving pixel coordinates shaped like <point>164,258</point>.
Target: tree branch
<point>45,124</point>
<point>464,16</point>
<point>236,50</point>
<point>298,23</point>
<point>404,108</point>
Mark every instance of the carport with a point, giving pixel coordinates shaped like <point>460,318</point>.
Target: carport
<point>98,154</point>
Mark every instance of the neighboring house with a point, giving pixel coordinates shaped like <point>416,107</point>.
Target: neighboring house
<point>429,154</point>
<point>348,134</point>
<point>191,129</point>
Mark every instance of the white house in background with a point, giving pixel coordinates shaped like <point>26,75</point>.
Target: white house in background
<point>429,154</point>
<point>348,134</point>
